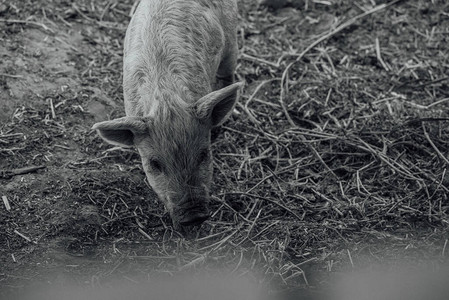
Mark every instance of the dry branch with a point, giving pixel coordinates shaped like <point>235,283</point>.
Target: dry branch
<point>10,173</point>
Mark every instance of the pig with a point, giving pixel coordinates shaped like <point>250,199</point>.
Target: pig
<point>178,83</point>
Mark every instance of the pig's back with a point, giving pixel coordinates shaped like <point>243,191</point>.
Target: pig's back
<point>175,46</point>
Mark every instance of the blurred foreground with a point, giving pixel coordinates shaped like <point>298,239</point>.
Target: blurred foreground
<point>377,283</point>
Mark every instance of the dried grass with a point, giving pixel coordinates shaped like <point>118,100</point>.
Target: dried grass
<point>335,157</point>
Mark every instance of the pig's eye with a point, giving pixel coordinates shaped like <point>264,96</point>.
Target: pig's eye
<point>204,156</point>
<point>156,165</point>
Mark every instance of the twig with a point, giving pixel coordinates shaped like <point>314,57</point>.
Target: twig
<point>12,76</point>
<point>11,135</point>
<point>24,237</point>
<point>133,8</point>
<point>436,103</point>
<point>193,263</point>
<point>379,56</point>
<point>6,202</point>
<point>261,60</point>
<point>10,173</point>
<point>27,22</point>
<point>145,234</point>
<point>52,108</point>
<point>434,146</point>
<point>350,258</point>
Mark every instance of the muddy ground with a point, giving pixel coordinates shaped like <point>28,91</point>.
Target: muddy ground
<point>336,156</point>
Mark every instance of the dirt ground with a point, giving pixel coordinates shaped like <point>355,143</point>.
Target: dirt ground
<point>335,157</point>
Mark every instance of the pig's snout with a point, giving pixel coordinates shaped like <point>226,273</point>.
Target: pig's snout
<point>192,212</point>
<point>196,218</point>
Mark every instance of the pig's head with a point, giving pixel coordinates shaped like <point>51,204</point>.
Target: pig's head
<point>174,147</point>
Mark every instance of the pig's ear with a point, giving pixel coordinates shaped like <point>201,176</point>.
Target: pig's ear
<point>216,106</point>
<point>121,131</point>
